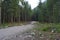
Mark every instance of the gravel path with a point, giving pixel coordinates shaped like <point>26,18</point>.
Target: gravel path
<point>10,32</point>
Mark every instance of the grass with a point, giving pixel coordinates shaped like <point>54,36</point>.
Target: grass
<point>48,27</point>
<point>5,25</point>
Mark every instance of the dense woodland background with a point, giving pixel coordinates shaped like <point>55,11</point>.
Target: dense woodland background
<point>48,11</point>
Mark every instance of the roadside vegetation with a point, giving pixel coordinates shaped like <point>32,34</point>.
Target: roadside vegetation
<point>6,25</point>
<point>48,27</point>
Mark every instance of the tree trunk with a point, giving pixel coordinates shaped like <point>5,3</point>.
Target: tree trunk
<point>0,15</point>
<point>0,11</point>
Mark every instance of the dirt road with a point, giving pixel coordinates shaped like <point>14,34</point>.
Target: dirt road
<point>13,31</point>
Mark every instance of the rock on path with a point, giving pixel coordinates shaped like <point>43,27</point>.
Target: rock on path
<point>13,31</point>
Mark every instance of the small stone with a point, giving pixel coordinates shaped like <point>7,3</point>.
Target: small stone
<point>53,30</point>
<point>40,34</point>
<point>28,36</point>
<point>32,33</point>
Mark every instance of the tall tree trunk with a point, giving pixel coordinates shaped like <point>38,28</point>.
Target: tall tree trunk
<point>0,15</point>
<point>12,18</point>
<point>0,11</point>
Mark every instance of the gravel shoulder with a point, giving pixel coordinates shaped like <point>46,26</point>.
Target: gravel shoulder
<point>13,31</point>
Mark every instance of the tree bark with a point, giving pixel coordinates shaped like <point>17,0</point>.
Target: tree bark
<point>0,11</point>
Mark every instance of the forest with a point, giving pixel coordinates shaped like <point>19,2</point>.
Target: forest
<point>48,11</point>
<point>17,16</point>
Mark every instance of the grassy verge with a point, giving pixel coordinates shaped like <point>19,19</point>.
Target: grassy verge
<point>48,27</point>
<point>5,25</point>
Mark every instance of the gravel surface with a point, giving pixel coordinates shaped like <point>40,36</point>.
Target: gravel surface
<point>36,35</point>
<point>12,33</point>
<point>23,33</point>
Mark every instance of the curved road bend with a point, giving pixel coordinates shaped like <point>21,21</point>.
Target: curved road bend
<point>5,33</point>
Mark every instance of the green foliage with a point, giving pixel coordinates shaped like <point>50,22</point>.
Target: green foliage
<point>48,11</point>
<point>13,12</point>
<point>9,10</point>
<point>48,27</point>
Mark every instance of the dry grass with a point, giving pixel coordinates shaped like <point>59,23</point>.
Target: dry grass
<point>5,25</point>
